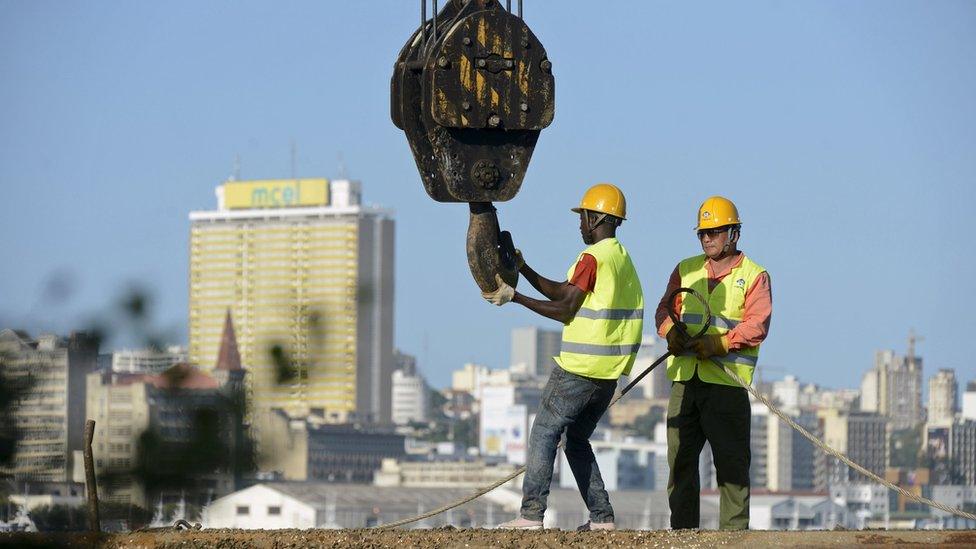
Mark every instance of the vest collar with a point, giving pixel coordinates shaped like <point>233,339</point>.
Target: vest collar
<point>735,265</point>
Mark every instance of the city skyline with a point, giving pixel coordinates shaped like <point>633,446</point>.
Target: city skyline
<point>838,169</point>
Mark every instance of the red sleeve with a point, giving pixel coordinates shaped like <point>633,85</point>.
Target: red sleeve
<point>756,316</point>
<point>661,317</point>
<point>584,275</point>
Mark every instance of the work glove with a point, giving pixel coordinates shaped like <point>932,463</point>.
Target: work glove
<point>677,341</point>
<point>502,295</point>
<point>711,345</point>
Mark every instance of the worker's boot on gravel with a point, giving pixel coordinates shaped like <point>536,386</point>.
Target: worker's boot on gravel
<point>521,524</point>
<point>596,526</point>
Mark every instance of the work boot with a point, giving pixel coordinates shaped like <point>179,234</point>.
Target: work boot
<point>596,526</point>
<point>521,524</point>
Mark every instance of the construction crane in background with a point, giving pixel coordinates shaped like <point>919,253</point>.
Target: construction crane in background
<point>472,89</point>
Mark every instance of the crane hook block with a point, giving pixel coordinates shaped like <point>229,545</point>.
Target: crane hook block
<point>471,90</point>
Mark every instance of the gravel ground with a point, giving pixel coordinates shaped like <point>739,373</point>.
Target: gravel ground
<point>472,538</point>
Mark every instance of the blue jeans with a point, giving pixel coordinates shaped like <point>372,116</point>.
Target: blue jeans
<point>573,404</point>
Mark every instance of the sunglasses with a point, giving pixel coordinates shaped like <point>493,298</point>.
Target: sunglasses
<point>712,232</point>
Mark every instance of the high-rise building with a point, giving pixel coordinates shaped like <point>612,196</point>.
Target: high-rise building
<point>893,388</point>
<point>410,396</point>
<point>534,348</point>
<point>943,389</point>
<point>862,436</point>
<point>148,361</point>
<point>782,459</point>
<point>48,415</point>
<point>762,423</point>
<point>962,451</point>
<point>969,401</point>
<point>787,392</point>
<point>307,272</point>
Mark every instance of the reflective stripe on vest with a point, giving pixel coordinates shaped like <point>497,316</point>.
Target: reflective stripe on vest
<point>599,350</point>
<point>611,314</point>
<point>717,321</point>
<point>602,340</point>
<point>735,358</point>
<point>727,304</point>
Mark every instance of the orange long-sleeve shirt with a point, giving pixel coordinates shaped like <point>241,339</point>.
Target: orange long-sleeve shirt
<point>756,317</point>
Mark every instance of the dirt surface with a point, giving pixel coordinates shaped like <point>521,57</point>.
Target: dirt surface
<point>472,538</point>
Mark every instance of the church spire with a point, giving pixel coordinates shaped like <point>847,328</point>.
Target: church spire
<point>228,358</point>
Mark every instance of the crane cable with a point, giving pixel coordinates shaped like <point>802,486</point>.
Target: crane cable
<point>738,379</point>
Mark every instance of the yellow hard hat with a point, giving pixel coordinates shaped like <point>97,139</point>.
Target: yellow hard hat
<point>717,211</point>
<point>604,198</point>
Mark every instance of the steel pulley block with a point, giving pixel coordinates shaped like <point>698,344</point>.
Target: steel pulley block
<point>471,90</point>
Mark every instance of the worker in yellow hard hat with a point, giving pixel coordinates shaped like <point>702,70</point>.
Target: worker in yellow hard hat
<point>601,307</point>
<point>706,404</point>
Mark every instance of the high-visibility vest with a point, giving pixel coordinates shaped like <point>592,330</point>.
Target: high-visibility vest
<point>727,304</point>
<point>603,338</point>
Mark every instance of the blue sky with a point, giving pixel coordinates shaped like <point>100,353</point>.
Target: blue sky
<point>845,131</point>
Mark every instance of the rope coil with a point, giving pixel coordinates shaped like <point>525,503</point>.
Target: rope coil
<point>761,398</point>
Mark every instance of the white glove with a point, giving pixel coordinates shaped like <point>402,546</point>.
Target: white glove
<point>502,295</point>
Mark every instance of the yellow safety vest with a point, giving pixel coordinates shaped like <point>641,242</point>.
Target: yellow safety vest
<point>603,338</point>
<point>727,303</point>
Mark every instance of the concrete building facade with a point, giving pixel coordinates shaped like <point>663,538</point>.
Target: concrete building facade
<point>893,388</point>
<point>309,448</point>
<point>943,391</point>
<point>410,397</point>
<point>862,436</point>
<point>49,414</point>
<point>534,348</point>
<point>148,361</point>
<point>969,401</point>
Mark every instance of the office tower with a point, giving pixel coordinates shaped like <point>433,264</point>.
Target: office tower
<point>969,401</point>
<point>534,348</point>
<point>942,397</point>
<point>859,435</point>
<point>307,272</point>
<point>962,452</point>
<point>410,394</point>
<point>893,388</point>
<point>48,416</point>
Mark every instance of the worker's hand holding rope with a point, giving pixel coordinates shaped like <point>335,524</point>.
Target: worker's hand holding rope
<point>710,345</point>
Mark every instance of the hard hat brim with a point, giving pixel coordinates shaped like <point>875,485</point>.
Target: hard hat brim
<point>699,227</point>
<point>579,210</point>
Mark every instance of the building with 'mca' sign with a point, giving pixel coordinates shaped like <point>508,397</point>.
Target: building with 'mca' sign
<point>307,273</point>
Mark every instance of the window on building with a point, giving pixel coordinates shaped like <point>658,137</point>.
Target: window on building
<point>243,510</point>
<point>274,510</point>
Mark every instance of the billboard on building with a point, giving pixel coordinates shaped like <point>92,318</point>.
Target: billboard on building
<point>517,438</point>
<point>938,442</point>
<point>275,193</point>
<point>494,425</point>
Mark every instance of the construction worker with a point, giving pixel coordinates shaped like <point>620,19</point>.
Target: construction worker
<point>601,306</point>
<point>706,404</point>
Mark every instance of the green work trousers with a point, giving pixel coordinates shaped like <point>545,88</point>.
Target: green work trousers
<point>720,414</point>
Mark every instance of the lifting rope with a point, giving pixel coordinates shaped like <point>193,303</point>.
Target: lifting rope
<point>748,387</point>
